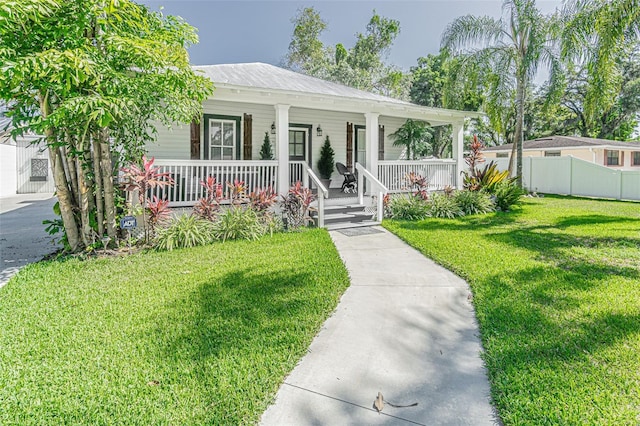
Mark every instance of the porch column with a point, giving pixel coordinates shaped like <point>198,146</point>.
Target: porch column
<point>457,150</point>
<point>282,147</point>
<point>371,135</point>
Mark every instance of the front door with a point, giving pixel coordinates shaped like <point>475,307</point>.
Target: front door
<point>299,150</point>
<point>361,146</point>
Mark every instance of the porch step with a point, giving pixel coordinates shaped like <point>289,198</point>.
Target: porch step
<point>346,216</point>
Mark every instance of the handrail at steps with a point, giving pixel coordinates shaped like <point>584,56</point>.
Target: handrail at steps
<point>325,194</point>
<point>382,190</point>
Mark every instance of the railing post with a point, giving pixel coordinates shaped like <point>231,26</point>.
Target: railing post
<point>360,186</point>
<point>380,210</point>
<point>321,211</point>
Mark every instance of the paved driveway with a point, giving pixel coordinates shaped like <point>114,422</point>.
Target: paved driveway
<point>23,239</point>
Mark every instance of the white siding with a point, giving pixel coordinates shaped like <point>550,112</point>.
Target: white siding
<point>175,143</point>
<point>26,151</point>
<point>8,174</point>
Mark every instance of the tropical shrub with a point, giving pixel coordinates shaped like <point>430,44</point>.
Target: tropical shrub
<point>417,184</point>
<point>159,212</point>
<point>506,194</point>
<point>237,223</point>
<point>296,206</point>
<point>143,179</point>
<point>184,231</point>
<point>407,207</point>
<point>207,207</point>
<point>476,178</point>
<point>444,206</point>
<point>474,202</point>
<point>262,200</point>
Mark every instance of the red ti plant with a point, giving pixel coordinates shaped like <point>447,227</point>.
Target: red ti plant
<point>144,179</point>
<point>418,184</point>
<point>262,199</point>
<point>159,211</point>
<point>208,206</point>
<point>238,191</point>
<point>475,156</point>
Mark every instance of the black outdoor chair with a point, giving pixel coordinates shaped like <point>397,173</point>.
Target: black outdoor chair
<point>350,183</point>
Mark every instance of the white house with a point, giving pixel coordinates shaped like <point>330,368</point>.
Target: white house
<point>297,112</point>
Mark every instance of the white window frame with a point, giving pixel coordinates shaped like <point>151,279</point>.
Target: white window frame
<point>222,146</point>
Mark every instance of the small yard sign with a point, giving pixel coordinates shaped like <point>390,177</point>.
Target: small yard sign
<point>128,222</point>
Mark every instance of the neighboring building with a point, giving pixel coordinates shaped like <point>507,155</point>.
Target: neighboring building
<point>614,154</point>
<point>297,112</point>
<point>24,164</point>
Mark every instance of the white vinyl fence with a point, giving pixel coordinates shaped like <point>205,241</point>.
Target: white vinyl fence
<point>572,176</point>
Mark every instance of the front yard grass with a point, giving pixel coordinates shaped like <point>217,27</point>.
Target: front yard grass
<point>194,336</point>
<point>556,288</point>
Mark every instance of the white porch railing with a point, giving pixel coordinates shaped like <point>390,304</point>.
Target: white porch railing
<point>298,172</point>
<point>322,194</point>
<point>375,187</point>
<point>439,173</point>
<point>188,174</point>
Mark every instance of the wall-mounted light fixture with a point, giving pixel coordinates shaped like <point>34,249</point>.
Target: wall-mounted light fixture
<point>273,128</point>
<point>319,131</point>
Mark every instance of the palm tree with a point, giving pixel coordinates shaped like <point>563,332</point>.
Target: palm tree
<point>510,50</point>
<point>415,136</point>
<point>598,33</point>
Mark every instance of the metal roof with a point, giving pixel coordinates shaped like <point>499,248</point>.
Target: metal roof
<point>556,142</point>
<point>266,76</point>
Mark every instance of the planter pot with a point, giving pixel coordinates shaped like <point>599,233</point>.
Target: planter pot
<point>326,182</point>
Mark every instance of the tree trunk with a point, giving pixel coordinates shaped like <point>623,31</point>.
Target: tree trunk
<point>70,172</point>
<point>517,139</point>
<point>64,197</point>
<point>107,184</point>
<point>83,198</point>
<point>98,180</point>
<point>60,179</point>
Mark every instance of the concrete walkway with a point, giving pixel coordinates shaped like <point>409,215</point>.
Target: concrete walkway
<point>405,327</point>
<point>23,239</point>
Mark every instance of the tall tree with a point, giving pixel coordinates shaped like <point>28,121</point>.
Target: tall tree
<point>90,75</point>
<point>596,34</point>
<point>362,66</point>
<point>510,49</point>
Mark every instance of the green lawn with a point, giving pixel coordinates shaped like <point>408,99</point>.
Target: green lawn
<point>197,336</point>
<point>556,288</point>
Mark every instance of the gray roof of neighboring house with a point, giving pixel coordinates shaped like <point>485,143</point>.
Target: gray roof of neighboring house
<point>557,142</point>
<point>265,76</point>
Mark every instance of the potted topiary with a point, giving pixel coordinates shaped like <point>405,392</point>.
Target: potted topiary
<point>326,163</point>
<point>265,149</point>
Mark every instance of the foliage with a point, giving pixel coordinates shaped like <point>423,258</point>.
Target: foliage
<point>474,202</point>
<point>444,206</point>
<point>296,206</point>
<point>555,292</point>
<point>238,223</point>
<point>184,231</point>
<point>159,212</point>
<point>142,180</point>
<point>418,184</point>
<point>326,161</point>
<point>415,136</point>
<point>361,66</point>
<point>238,194</point>
<point>506,194</point>
<point>56,226</point>
<point>407,207</point>
<point>170,330</point>
<point>207,207</point>
<point>266,152</point>
<point>513,48</point>
<point>595,35</point>
<point>262,200</point>
<point>486,178</point>
<point>90,77</point>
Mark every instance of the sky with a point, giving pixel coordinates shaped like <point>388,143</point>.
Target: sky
<point>260,30</point>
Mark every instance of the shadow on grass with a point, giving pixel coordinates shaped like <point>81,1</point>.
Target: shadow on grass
<point>592,219</point>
